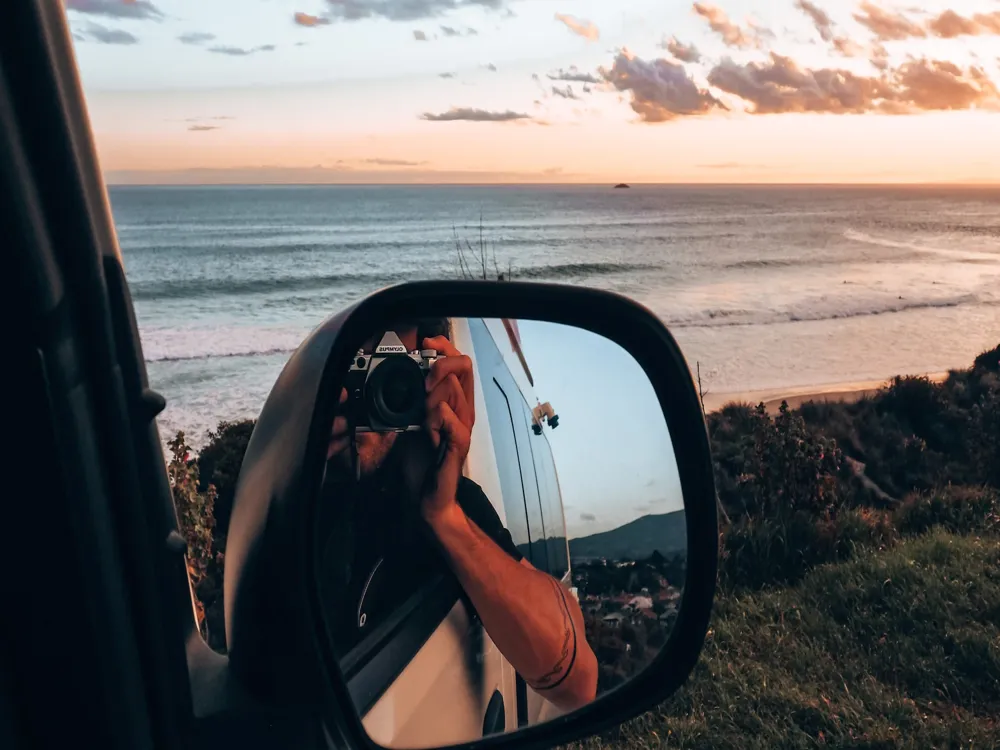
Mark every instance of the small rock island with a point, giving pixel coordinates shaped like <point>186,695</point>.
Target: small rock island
<point>621,185</point>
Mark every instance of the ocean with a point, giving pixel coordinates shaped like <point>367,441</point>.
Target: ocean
<point>763,287</point>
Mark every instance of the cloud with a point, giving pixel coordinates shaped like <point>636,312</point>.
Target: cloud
<point>446,75</point>
<point>572,74</point>
<point>683,52</point>
<point>309,21</point>
<point>565,93</point>
<point>393,162</point>
<point>202,128</point>
<point>935,85</point>
<point>142,9</point>
<point>780,86</point>
<point>730,32</point>
<point>822,22</point>
<point>827,30</point>
<point>97,33</point>
<point>661,90</point>
<point>950,25</point>
<point>195,37</point>
<point>419,35</point>
<point>469,114</point>
<point>588,517</point>
<point>724,165</point>
<point>402,10</point>
<point>241,51</point>
<point>490,67</point>
<point>553,171</point>
<point>580,26</point>
<point>888,26</point>
<point>452,31</point>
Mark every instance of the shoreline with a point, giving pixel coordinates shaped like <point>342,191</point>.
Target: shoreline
<point>847,393</point>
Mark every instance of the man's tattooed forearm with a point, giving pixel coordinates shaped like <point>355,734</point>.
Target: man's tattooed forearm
<point>567,653</point>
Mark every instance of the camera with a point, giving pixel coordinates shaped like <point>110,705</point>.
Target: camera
<point>386,390</point>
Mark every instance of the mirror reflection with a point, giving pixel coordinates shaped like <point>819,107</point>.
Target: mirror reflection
<point>501,534</point>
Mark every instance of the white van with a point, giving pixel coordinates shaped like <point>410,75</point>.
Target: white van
<point>430,675</point>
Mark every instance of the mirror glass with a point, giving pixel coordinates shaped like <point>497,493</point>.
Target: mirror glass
<point>501,535</point>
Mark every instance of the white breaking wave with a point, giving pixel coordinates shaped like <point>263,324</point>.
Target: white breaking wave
<point>867,239</point>
<point>176,344</point>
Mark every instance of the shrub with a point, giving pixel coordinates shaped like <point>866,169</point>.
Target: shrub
<point>219,464</point>
<point>773,467</point>
<point>777,551</point>
<point>195,519</point>
<point>960,510</point>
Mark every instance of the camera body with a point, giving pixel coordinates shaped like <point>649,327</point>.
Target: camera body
<point>386,390</point>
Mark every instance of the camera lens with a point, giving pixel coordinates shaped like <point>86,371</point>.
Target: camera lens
<point>395,392</point>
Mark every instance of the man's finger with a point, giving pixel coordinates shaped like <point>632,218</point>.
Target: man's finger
<point>450,391</point>
<point>461,367</point>
<point>337,446</point>
<point>443,345</point>
<point>444,423</point>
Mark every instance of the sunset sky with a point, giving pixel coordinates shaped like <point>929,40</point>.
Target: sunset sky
<point>346,91</point>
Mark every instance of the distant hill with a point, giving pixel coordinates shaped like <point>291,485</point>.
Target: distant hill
<point>665,533</point>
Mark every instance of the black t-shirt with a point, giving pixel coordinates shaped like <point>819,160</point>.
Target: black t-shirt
<point>377,551</point>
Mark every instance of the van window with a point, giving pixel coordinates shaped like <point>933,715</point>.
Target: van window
<point>506,450</point>
<point>536,521</point>
<point>552,510</point>
<point>497,387</point>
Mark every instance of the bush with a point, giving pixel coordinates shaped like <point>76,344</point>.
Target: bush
<point>779,551</point>
<point>773,467</point>
<point>219,464</point>
<point>916,435</point>
<point>196,521</point>
<point>960,510</point>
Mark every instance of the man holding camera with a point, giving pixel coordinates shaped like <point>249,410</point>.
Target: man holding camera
<point>409,490</point>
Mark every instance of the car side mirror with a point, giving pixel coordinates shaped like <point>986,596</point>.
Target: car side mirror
<point>419,555</point>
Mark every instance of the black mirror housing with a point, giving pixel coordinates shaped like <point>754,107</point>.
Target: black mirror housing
<point>279,650</point>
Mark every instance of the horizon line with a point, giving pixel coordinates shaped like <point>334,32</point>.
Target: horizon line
<point>953,184</point>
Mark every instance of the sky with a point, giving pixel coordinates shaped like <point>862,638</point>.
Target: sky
<point>609,416</point>
<point>416,91</point>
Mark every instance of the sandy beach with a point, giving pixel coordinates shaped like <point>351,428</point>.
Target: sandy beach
<point>843,392</point>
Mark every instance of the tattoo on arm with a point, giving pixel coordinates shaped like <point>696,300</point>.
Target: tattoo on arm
<point>567,654</point>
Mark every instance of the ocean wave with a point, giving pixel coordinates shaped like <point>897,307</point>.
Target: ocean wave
<point>186,343</point>
<point>177,289</point>
<point>816,313</point>
<point>580,270</point>
<point>192,288</point>
<point>943,252</point>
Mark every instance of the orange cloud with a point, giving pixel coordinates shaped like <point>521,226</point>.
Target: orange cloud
<point>304,19</point>
<point>780,86</point>
<point>950,24</point>
<point>937,85</point>
<point>731,33</point>
<point>827,30</point>
<point>661,90</point>
<point>580,26</point>
<point>886,25</point>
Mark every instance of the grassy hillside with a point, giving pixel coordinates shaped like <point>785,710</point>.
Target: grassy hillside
<point>899,648</point>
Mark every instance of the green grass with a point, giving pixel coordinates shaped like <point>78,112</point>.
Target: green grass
<point>896,648</point>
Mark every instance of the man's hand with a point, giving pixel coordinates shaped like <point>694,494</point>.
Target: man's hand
<point>451,413</point>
